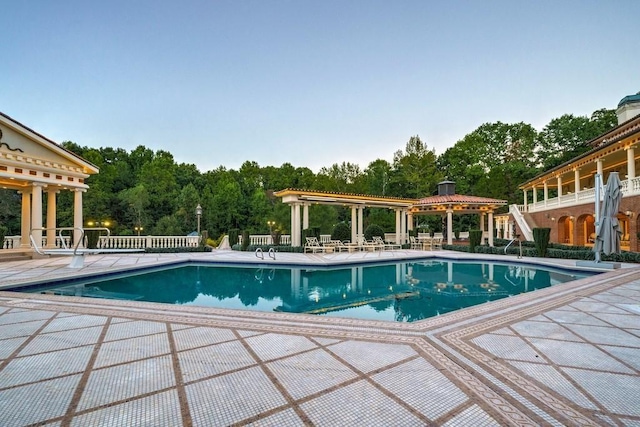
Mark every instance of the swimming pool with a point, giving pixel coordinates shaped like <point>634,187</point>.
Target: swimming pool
<point>401,292</point>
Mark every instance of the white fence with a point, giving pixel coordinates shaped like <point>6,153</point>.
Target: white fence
<point>121,242</point>
<point>629,188</point>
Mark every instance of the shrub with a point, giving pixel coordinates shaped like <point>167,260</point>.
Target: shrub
<point>341,232</point>
<point>475,237</point>
<point>245,240</point>
<point>373,230</point>
<point>92,237</point>
<point>233,236</point>
<point>541,239</point>
<point>3,232</point>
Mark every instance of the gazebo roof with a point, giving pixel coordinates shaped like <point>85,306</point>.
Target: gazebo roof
<point>460,203</point>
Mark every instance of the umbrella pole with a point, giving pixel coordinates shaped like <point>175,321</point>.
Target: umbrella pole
<point>598,189</point>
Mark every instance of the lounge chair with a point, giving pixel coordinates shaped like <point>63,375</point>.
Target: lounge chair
<point>313,245</point>
<point>378,240</point>
<point>337,245</point>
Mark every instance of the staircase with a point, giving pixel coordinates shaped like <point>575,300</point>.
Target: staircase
<point>15,255</point>
<point>520,219</point>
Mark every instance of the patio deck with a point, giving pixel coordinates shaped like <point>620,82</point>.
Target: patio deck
<point>565,355</point>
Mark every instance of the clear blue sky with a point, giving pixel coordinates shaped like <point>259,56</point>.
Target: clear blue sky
<point>307,82</point>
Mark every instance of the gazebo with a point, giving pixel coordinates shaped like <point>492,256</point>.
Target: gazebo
<point>448,203</point>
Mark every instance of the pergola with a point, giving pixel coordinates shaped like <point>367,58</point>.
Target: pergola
<point>32,165</point>
<point>297,198</point>
<point>405,209</point>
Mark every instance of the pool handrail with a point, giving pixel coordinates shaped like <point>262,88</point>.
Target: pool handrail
<point>519,243</point>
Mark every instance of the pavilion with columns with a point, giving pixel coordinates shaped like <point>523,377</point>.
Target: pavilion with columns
<point>445,204</point>
<point>34,165</point>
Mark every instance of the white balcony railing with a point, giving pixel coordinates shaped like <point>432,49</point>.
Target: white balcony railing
<point>629,188</point>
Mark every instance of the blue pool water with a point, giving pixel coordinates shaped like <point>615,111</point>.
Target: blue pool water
<point>402,292</point>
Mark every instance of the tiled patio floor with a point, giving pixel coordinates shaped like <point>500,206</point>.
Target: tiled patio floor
<point>566,355</point>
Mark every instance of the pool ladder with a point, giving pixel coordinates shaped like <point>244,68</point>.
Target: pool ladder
<point>271,253</point>
<point>519,243</point>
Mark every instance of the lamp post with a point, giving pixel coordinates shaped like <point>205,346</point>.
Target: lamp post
<point>198,215</point>
<point>138,229</point>
<point>271,224</point>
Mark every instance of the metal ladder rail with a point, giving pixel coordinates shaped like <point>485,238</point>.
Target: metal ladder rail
<point>519,243</point>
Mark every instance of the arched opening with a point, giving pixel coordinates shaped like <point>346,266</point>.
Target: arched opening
<point>565,230</point>
<point>625,236</point>
<point>586,230</point>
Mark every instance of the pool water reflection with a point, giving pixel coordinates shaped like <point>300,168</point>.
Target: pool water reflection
<point>402,292</point>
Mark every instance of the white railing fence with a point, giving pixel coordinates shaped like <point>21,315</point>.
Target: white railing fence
<point>120,242</point>
<point>630,187</point>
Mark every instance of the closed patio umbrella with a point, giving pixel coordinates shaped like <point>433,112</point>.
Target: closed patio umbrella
<point>608,230</point>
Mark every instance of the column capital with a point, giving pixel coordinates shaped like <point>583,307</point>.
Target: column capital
<point>39,184</point>
<point>78,190</point>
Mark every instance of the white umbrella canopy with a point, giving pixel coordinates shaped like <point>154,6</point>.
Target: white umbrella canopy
<point>608,230</point>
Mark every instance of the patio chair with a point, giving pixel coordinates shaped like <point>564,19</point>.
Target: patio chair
<point>313,245</point>
<point>378,240</point>
<point>436,243</point>
<point>415,244</point>
<point>337,245</point>
<point>366,245</point>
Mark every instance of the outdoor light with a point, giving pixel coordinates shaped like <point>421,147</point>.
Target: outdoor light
<point>271,224</point>
<point>629,214</point>
<point>138,229</point>
<point>198,215</point>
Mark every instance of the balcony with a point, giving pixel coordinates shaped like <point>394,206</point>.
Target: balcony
<point>629,188</point>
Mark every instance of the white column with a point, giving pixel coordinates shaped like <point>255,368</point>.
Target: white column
<point>449,226</point>
<point>305,216</point>
<point>51,218</point>
<point>631,164</point>
<point>298,224</point>
<point>293,225</point>
<point>398,241</point>
<point>526,201</point>
<point>535,195</point>
<point>546,192</point>
<point>490,228</point>
<point>354,225</point>
<point>576,178</point>
<point>559,178</point>
<point>410,221</point>
<point>36,212</point>
<point>77,214</point>
<point>599,168</point>
<point>25,224</point>
<point>403,226</point>
<point>360,223</point>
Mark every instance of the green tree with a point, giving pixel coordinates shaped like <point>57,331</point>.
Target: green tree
<point>415,170</point>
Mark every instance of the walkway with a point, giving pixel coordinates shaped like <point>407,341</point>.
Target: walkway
<point>565,355</point>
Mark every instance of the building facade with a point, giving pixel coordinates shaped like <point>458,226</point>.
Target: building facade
<point>563,198</point>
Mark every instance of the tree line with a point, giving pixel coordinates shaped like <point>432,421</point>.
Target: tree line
<point>149,189</point>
